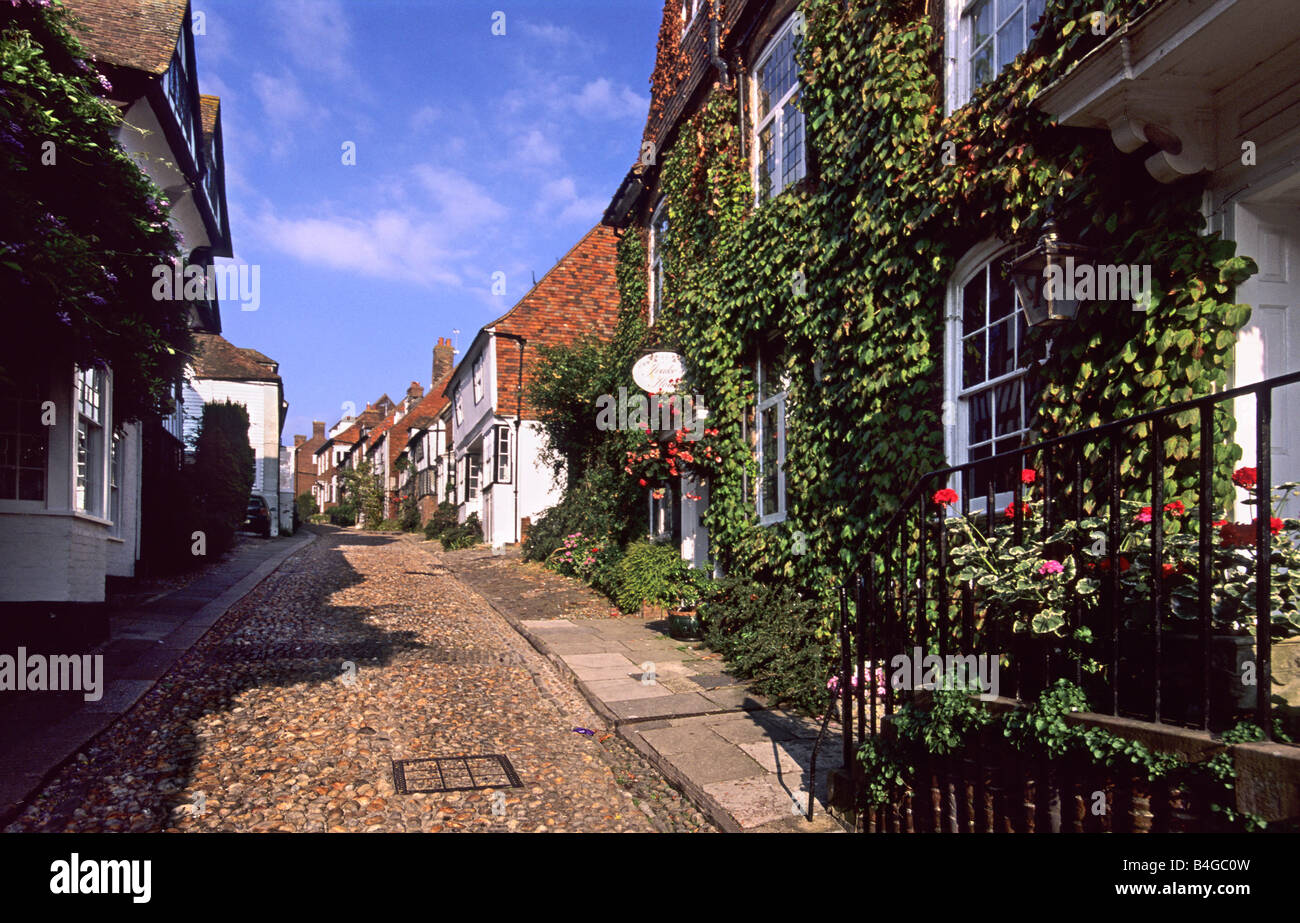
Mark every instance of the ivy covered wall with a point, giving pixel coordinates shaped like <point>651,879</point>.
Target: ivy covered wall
<point>876,231</point>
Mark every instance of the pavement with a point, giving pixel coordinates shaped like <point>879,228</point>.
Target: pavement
<point>39,734</point>
<point>744,762</point>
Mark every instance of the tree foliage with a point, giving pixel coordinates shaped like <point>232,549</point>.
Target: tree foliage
<point>81,227</point>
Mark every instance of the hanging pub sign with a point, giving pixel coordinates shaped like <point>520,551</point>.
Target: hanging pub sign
<point>659,372</point>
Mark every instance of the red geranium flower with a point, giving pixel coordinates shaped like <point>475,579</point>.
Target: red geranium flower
<point>1236,535</point>
<point>1144,516</point>
<point>1010,511</point>
<point>945,497</point>
<point>1027,475</point>
<point>1168,569</point>
<point>1245,477</point>
<point>1176,508</point>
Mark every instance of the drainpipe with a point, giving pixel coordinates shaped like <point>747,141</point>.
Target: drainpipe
<point>714,57</point>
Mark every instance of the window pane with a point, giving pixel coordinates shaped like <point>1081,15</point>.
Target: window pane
<point>1006,8</point>
<point>1011,41</point>
<point>983,23</point>
<point>981,67</point>
<point>792,143</point>
<point>769,461</point>
<point>1006,398</point>
<point>972,372</point>
<point>766,161</point>
<point>1033,13</point>
<point>1002,357</point>
<point>981,423</point>
<point>1002,300</point>
<point>972,303</point>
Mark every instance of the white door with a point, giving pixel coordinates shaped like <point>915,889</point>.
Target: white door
<point>1269,345</point>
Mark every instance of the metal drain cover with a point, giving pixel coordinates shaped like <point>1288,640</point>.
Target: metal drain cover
<point>454,774</point>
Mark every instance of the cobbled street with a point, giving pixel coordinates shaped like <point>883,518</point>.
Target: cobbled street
<point>263,726</point>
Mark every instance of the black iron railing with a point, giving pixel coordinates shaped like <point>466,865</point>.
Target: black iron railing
<point>1117,642</point>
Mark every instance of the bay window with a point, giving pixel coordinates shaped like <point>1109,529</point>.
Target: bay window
<point>24,444</point>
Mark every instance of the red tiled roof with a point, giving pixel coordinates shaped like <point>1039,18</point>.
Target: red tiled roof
<point>139,34</point>
<point>209,107</point>
<point>577,298</point>
<point>216,357</point>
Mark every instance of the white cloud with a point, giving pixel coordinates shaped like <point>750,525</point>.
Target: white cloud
<point>460,202</point>
<point>601,98</point>
<point>285,105</point>
<point>387,245</point>
<point>423,117</point>
<point>535,149</point>
<point>559,201</point>
<point>316,35</point>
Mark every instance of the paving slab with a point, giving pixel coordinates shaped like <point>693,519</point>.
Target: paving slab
<point>671,705</point>
<point>741,761</point>
<point>623,690</point>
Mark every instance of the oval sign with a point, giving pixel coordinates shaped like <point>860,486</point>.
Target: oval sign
<point>659,372</point>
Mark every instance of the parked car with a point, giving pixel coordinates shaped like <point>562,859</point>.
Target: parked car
<point>259,516</point>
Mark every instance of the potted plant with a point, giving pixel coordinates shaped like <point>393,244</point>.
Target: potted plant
<point>684,620</point>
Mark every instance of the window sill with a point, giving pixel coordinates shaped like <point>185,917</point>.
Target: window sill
<point>771,520</point>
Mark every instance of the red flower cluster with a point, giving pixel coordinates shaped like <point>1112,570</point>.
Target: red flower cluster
<point>1175,508</point>
<point>1028,475</point>
<point>1104,564</point>
<point>1010,511</point>
<point>945,497</point>
<point>1245,477</point>
<point>1240,535</point>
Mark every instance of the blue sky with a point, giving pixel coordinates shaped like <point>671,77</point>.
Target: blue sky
<point>475,153</point>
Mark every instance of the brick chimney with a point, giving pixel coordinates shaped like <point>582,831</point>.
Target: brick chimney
<point>443,359</point>
<point>298,440</point>
<point>318,429</point>
<point>416,391</point>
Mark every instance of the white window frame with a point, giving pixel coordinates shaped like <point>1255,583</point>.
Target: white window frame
<point>661,513</point>
<point>116,466</point>
<point>656,291</point>
<point>478,380</point>
<point>473,477</point>
<point>97,453</point>
<point>987,254</point>
<point>765,516</point>
<point>775,116</point>
<point>959,41</point>
<point>501,456</point>
<point>460,405</point>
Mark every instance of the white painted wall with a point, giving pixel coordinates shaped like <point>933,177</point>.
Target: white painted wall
<point>261,399</point>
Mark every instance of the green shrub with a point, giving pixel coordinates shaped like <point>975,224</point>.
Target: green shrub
<point>342,515</point>
<point>465,535</point>
<point>389,525</point>
<point>306,504</point>
<point>408,515</point>
<point>599,505</point>
<point>222,473</point>
<point>656,573</point>
<point>768,634</point>
<point>443,518</point>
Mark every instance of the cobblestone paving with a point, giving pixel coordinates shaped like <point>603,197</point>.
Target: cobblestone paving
<point>264,726</point>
